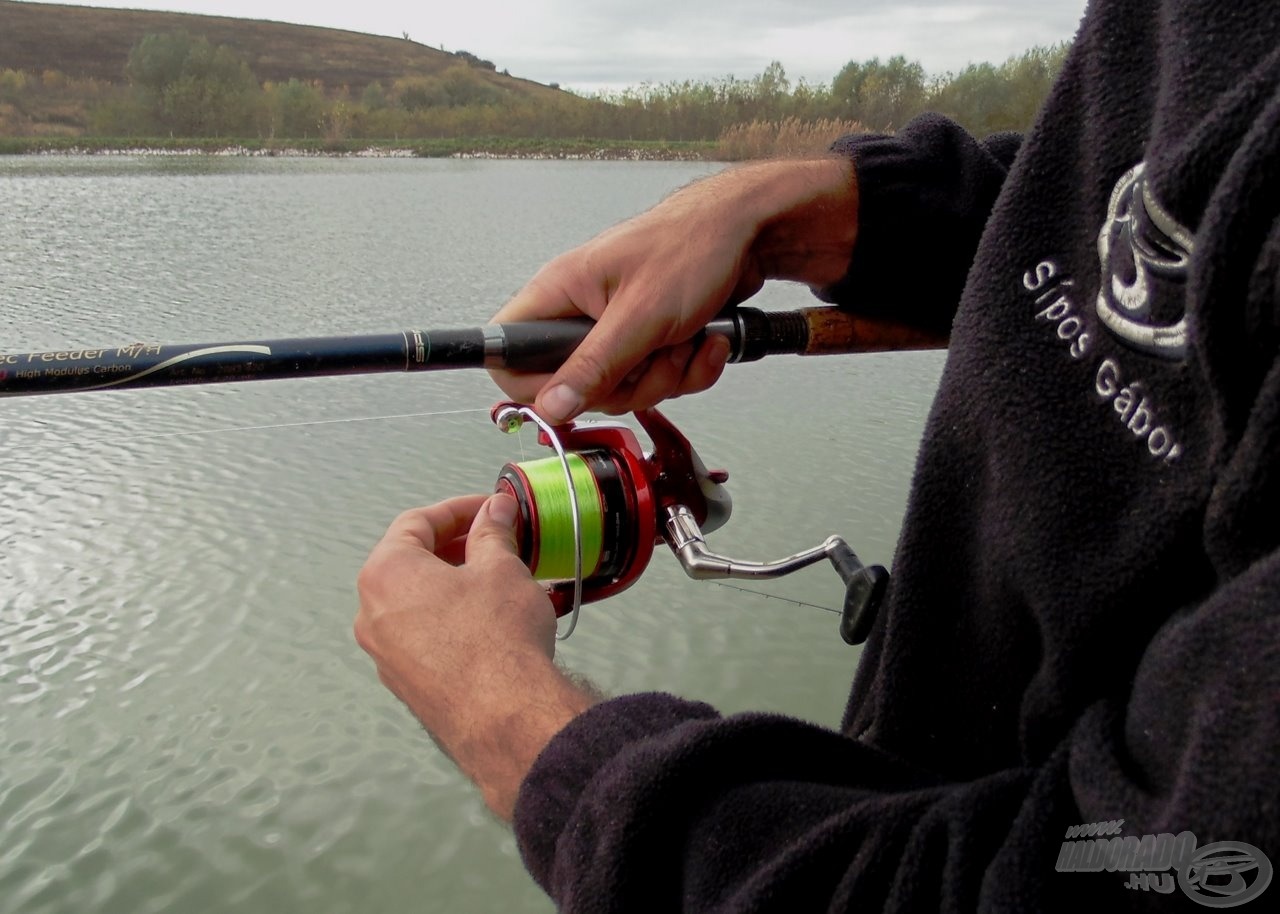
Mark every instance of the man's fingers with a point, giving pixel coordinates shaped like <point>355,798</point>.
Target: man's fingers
<point>706,366</point>
<point>557,290</point>
<point>616,345</point>
<point>437,525</point>
<point>652,381</point>
<point>452,552</point>
<point>493,532</point>
<point>670,373</point>
<point>564,287</point>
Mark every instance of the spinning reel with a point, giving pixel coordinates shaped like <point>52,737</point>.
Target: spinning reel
<point>590,517</point>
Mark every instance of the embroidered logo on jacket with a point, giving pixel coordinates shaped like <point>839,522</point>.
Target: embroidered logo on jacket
<point>1141,244</point>
<point>1144,256</point>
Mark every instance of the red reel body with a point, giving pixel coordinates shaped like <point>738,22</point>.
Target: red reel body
<point>634,489</point>
<point>642,499</point>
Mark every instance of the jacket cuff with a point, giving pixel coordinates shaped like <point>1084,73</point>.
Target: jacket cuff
<point>924,196</point>
<point>560,775</point>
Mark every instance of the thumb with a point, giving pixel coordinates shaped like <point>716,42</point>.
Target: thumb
<point>599,364</point>
<point>493,532</point>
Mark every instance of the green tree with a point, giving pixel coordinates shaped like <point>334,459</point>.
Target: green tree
<point>1030,77</point>
<point>298,110</point>
<point>474,61</point>
<point>192,87</point>
<point>985,98</point>
<point>879,95</point>
<point>157,60</point>
<point>374,97</point>
<point>12,84</point>
<point>416,93</point>
<point>465,86</point>
<point>214,95</point>
<point>772,85</point>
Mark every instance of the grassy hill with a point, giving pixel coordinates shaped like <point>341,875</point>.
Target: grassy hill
<point>86,43</point>
<point>217,82</point>
<point>63,79</point>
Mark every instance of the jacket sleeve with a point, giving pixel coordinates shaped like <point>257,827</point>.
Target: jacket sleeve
<point>924,197</point>
<point>651,803</point>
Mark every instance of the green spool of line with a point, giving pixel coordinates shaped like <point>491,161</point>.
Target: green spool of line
<point>555,516</point>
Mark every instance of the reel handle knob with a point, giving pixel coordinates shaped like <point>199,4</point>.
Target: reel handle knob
<point>864,592</point>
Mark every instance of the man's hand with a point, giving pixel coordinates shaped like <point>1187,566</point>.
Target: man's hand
<point>468,647</point>
<point>653,282</point>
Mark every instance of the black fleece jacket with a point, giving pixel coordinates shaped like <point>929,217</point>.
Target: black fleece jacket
<point>1084,625</point>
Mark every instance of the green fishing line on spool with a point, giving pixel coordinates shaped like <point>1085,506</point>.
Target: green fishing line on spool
<point>555,516</point>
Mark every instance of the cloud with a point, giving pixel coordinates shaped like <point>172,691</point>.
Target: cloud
<point>623,43</point>
<point>589,44</point>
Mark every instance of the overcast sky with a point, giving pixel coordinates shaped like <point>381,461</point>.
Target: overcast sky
<point>592,45</point>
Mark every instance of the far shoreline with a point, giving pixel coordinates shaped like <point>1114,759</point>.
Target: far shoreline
<point>488,148</point>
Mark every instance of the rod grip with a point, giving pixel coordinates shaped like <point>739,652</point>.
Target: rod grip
<point>542,346</point>
<point>539,346</point>
<point>833,330</point>
<point>816,331</point>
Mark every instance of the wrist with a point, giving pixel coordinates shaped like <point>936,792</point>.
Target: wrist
<point>806,217</point>
<point>518,711</point>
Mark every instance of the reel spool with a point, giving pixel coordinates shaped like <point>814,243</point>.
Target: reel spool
<point>545,533</point>
<point>590,516</point>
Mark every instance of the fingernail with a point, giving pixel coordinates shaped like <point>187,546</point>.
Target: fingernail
<point>561,403</point>
<point>502,510</point>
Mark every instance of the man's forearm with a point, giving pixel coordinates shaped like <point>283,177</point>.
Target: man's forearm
<point>813,223</point>
<point>801,214</point>
<point>525,703</point>
<point>468,648</point>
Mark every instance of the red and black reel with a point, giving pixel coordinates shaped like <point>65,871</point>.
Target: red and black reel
<point>621,491</point>
<point>590,516</point>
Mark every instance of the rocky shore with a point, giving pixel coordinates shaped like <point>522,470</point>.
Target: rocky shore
<point>576,150</point>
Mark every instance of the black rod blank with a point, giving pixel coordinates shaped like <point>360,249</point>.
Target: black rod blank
<point>532,346</point>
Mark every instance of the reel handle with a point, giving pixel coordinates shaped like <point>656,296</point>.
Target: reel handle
<point>865,588</point>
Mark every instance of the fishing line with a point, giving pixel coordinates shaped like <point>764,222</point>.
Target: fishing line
<point>595,510</point>
<point>772,596</point>
<point>515,480</point>
<point>553,523</point>
<point>243,428</point>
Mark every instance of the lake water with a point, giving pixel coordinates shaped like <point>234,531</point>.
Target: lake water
<point>186,723</point>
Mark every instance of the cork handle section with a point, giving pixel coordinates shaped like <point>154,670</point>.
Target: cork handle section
<point>833,331</point>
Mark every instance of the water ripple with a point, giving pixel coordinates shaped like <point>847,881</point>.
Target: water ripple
<point>187,724</point>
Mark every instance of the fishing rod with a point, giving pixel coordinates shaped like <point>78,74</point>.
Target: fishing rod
<point>531,346</point>
<point>589,517</point>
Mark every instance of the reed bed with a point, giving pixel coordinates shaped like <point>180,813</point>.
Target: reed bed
<point>786,138</point>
